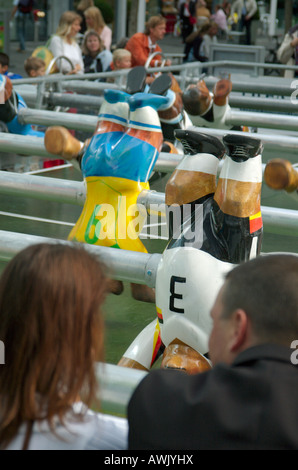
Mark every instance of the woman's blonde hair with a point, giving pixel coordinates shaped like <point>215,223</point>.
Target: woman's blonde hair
<point>65,23</point>
<point>98,21</point>
<point>84,4</point>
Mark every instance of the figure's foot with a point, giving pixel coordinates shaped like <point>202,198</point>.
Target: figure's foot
<point>241,148</point>
<point>161,85</point>
<point>136,80</point>
<point>59,141</point>
<point>115,287</point>
<point>221,91</point>
<point>280,174</point>
<point>140,100</point>
<point>115,96</point>
<point>143,293</point>
<point>179,356</point>
<point>197,99</point>
<point>196,142</point>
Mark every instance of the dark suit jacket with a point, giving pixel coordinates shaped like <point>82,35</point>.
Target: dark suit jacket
<point>252,404</point>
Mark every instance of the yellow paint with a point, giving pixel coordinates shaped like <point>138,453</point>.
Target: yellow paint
<point>111,216</point>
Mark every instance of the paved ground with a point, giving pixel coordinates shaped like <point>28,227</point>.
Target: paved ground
<point>169,44</point>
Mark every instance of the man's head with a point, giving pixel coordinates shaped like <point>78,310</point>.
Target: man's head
<point>156,28</point>
<point>258,303</point>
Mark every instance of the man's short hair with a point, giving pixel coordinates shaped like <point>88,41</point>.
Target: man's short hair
<point>153,22</point>
<point>266,288</point>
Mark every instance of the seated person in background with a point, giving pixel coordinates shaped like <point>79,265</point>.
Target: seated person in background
<point>287,51</point>
<point>142,45</point>
<point>199,42</point>
<point>95,21</point>
<point>248,400</point>
<point>96,58</point>
<point>121,60</point>
<point>220,19</point>
<point>63,43</point>
<point>203,13</point>
<point>51,323</point>
<point>35,67</point>
<point>4,64</point>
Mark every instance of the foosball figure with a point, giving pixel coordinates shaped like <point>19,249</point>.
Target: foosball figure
<point>10,104</point>
<point>280,174</point>
<point>212,227</point>
<point>207,109</point>
<point>116,164</point>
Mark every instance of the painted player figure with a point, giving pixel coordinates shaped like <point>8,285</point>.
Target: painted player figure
<point>212,227</point>
<point>116,164</point>
<point>206,109</point>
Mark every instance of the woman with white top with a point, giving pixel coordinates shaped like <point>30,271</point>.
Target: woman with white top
<point>51,324</point>
<point>64,43</point>
<point>95,21</point>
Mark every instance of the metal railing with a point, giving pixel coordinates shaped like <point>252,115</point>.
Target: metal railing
<point>276,220</point>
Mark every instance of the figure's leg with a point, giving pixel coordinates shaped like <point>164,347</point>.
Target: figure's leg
<point>193,182</point>
<point>237,200</point>
<point>144,350</point>
<point>171,115</point>
<point>113,117</point>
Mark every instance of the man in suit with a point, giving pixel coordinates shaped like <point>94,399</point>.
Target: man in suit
<point>248,399</point>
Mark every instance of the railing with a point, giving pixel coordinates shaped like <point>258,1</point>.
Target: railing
<point>276,220</point>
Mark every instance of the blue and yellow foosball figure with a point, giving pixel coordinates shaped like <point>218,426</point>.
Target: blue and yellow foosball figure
<point>116,164</point>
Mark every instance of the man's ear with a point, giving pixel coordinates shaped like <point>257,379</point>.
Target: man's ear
<point>240,330</point>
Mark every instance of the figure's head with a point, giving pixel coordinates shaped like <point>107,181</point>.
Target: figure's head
<point>257,304</point>
<point>156,27</point>
<point>51,323</point>
<point>92,43</point>
<point>121,59</point>
<point>35,67</point>
<point>69,24</point>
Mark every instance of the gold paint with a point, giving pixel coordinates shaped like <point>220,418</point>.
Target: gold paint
<point>185,186</point>
<point>241,199</point>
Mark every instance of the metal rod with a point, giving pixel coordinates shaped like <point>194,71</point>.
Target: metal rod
<point>276,220</point>
<point>283,221</point>
<point>121,264</point>
<point>116,385</point>
<point>43,188</point>
<point>88,123</point>
<point>40,117</point>
<point>267,120</point>
<point>167,162</point>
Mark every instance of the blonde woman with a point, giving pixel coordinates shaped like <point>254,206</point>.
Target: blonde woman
<point>81,7</point>
<point>95,21</point>
<point>64,43</point>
